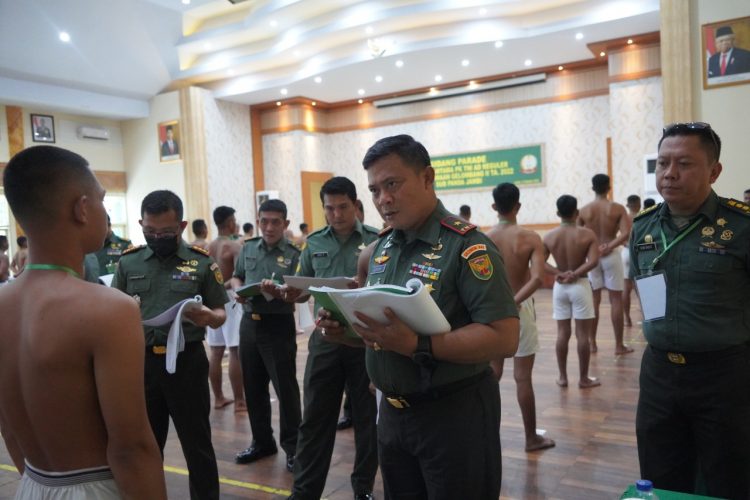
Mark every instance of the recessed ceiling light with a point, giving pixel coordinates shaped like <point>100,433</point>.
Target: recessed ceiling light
<point>361,92</point>
<point>399,63</point>
<point>433,90</point>
<point>314,103</point>
<point>378,78</point>
<point>278,103</point>
<point>273,23</point>
<point>602,54</point>
<point>438,78</point>
<point>498,44</point>
<point>527,62</point>
<point>369,30</point>
<point>318,79</point>
<point>473,84</point>
<point>284,91</point>
<point>360,101</point>
<point>560,68</point>
<point>630,41</point>
<point>482,11</point>
<point>465,63</point>
<point>186,2</point>
<point>579,36</point>
<point>64,36</point>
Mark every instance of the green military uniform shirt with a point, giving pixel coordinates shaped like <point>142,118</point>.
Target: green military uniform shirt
<point>467,278</point>
<point>158,284</point>
<point>109,255</point>
<point>325,257</point>
<point>707,275</point>
<point>257,262</point>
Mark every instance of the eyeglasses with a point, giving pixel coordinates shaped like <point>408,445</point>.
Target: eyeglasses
<point>700,127</point>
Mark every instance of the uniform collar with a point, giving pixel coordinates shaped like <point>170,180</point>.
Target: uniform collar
<point>429,232</point>
<point>708,209</point>
<point>328,230</point>
<point>281,245</point>
<point>183,251</point>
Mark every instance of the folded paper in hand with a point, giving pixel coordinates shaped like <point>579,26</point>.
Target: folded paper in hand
<point>305,282</point>
<point>175,338</point>
<point>411,303</point>
<point>252,289</point>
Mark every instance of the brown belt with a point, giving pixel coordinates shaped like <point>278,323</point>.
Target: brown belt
<point>408,400</point>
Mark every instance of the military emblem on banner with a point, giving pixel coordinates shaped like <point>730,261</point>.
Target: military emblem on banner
<point>482,267</point>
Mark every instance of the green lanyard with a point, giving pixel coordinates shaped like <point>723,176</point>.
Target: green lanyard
<point>674,241</point>
<point>53,267</point>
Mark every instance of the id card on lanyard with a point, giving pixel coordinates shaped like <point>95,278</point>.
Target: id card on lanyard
<point>652,287</point>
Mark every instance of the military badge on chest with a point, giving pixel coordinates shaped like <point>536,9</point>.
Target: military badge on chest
<point>709,235</point>
<point>186,271</point>
<point>283,262</point>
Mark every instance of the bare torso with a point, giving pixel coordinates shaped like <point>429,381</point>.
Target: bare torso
<point>225,251</point>
<point>19,261</point>
<point>199,243</point>
<point>569,245</point>
<point>48,394</point>
<point>4,268</point>
<point>516,246</point>
<point>604,217</point>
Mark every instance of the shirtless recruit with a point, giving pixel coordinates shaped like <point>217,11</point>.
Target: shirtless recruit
<point>523,255</point>
<point>576,252</point>
<point>72,400</point>
<point>225,250</point>
<point>607,218</point>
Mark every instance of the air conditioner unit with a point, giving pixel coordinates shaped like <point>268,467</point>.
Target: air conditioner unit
<point>98,133</point>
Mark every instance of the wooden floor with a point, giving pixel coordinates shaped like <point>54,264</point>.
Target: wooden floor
<point>595,456</point>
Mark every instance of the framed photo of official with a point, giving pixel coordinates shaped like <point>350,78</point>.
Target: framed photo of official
<point>170,146</point>
<point>42,128</point>
<point>726,53</point>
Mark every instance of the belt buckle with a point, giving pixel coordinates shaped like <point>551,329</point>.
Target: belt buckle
<point>159,349</point>
<point>256,317</point>
<point>676,358</point>
<point>397,402</point>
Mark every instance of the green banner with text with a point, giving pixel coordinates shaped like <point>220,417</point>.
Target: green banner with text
<point>488,168</point>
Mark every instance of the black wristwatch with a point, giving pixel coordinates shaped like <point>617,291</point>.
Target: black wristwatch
<point>423,355</point>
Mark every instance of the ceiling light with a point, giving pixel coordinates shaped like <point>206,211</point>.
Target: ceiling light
<point>498,44</point>
<point>284,91</point>
<point>361,92</point>
<point>527,62</point>
<point>369,30</point>
<point>314,103</point>
<point>438,78</point>
<point>473,84</point>
<point>399,63</point>
<point>378,78</point>
<point>278,103</point>
<point>465,63</point>
<point>602,54</point>
<point>579,36</point>
<point>433,90</point>
<point>482,11</point>
<point>186,2</point>
<point>273,23</point>
<point>560,68</point>
<point>64,36</point>
<point>630,41</point>
<point>360,101</point>
<point>318,79</point>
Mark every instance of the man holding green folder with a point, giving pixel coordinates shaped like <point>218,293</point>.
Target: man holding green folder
<point>333,252</point>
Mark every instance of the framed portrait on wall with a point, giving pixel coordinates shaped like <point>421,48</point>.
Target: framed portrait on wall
<point>42,128</point>
<point>170,147</point>
<point>726,53</point>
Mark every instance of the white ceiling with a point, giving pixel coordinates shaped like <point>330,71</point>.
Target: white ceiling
<point>123,52</point>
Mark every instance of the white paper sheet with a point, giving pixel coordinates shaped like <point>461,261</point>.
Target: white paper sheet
<point>175,338</point>
<point>107,279</point>
<point>305,282</point>
<point>652,291</point>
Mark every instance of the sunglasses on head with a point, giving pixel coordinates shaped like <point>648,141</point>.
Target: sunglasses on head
<point>702,127</point>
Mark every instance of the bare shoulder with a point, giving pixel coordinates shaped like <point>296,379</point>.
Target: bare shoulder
<point>586,234</point>
<point>112,305</point>
<point>529,236</point>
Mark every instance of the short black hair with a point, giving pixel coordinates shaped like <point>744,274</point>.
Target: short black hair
<point>634,198</point>
<point>600,183</point>
<point>34,178</point>
<point>412,152</point>
<point>199,227</point>
<point>464,210</point>
<point>649,202</point>
<point>21,241</point>
<point>506,196</point>
<point>247,227</point>
<point>567,205</point>
<point>158,202</point>
<point>359,205</point>
<point>3,239</point>
<point>746,191</point>
<point>273,206</point>
<point>221,214</point>
<point>303,227</point>
<point>339,185</point>
<point>710,140</point>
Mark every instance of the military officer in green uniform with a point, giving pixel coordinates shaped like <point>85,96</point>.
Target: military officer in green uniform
<point>268,347</point>
<point>691,259</point>
<point>333,252</point>
<point>438,424</point>
<point>157,276</point>
<point>109,255</point>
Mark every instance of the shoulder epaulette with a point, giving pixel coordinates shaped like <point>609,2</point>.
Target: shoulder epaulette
<point>385,231</point>
<point>318,231</point>
<point>646,211</point>
<point>200,250</point>
<point>457,224</point>
<point>132,249</point>
<point>735,205</point>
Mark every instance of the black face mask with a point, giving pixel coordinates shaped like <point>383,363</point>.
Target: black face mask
<point>163,247</point>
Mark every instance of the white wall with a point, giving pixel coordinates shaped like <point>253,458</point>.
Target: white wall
<point>725,108</point>
<point>144,171</point>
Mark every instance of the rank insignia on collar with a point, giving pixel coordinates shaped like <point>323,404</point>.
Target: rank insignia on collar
<point>707,232</point>
<point>721,222</point>
<point>482,267</point>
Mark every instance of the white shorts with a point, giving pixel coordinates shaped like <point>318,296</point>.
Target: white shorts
<point>227,334</point>
<point>574,299</point>
<point>608,273</point>
<point>96,484</point>
<point>625,262</point>
<point>528,341</point>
